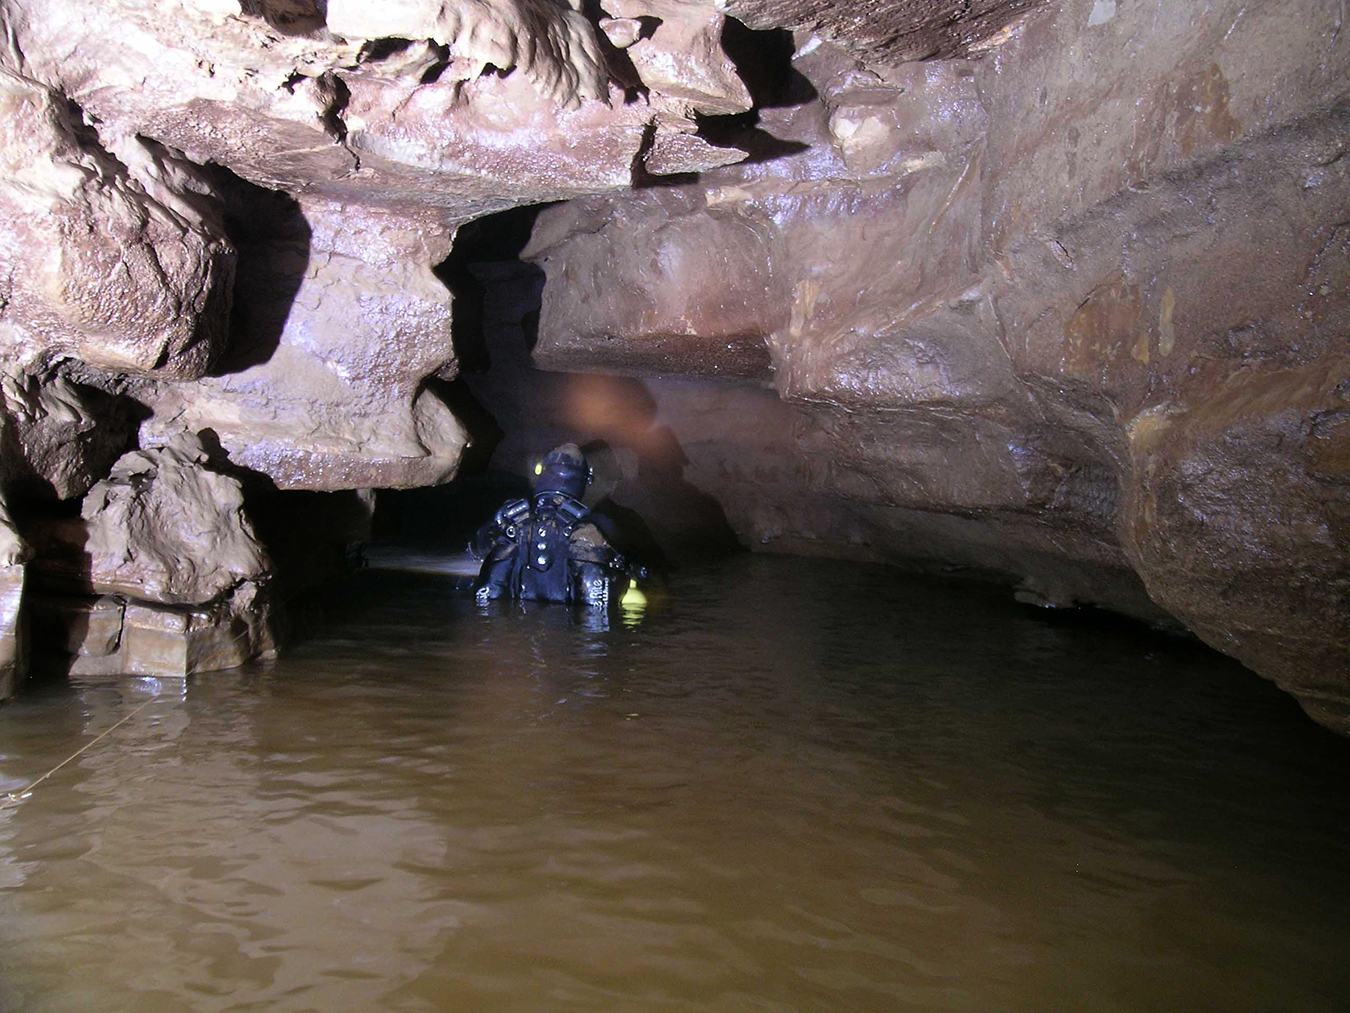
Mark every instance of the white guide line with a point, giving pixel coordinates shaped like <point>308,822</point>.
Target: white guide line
<point>13,797</point>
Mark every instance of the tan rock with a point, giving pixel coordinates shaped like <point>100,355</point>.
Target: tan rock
<point>162,527</point>
<point>160,641</point>
<point>113,636</point>
<point>335,399</point>
<point>14,554</point>
<point>120,260</point>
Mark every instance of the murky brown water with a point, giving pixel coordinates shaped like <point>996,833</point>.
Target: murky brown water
<point>794,786</point>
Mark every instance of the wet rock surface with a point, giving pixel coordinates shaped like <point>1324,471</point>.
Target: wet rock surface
<point>161,575</point>
<point>13,654</point>
<point>1076,329</point>
<point>1052,292</point>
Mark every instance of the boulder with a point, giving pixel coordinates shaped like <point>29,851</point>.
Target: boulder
<point>163,527</point>
<point>163,574</point>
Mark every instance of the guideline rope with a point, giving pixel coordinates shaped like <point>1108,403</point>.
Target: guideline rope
<point>13,797</point>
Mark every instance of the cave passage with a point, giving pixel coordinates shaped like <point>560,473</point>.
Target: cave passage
<point>515,413</point>
<point>793,783</point>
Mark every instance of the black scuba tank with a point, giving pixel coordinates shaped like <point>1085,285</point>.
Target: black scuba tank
<point>531,558</point>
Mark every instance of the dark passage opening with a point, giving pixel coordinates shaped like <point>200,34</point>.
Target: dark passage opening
<point>515,413</point>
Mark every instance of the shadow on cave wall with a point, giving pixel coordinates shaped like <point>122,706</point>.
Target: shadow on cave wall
<point>763,60</point>
<point>289,17</point>
<point>272,241</point>
<point>515,413</point>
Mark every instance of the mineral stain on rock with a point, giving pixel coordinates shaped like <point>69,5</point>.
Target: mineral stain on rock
<point>1105,328</point>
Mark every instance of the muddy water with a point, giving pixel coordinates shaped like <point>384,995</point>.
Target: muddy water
<point>791,786</point>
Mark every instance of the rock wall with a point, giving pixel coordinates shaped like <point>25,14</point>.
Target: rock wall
<point>1075,312</point>
<point>13,635</point>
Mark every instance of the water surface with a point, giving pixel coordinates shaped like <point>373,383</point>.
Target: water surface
<point>793,785</point>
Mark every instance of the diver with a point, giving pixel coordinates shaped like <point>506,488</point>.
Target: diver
<point>549,548</point>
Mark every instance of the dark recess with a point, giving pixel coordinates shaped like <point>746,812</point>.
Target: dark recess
<point>272,241</point>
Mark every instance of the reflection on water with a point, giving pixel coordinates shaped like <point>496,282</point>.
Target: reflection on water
<point>792,785</point>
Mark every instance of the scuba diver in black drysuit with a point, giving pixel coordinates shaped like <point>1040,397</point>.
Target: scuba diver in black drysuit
<point>548,548</point>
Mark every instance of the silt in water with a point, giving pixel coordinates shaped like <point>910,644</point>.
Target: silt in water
<point>792,785</point>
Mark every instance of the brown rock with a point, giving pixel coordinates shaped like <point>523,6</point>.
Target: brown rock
<point>1026,331</point>
<point>175,643</point>
<point>113,636</point>
<point>13,647</point>
<point>163,528</point>
<point>118,259</point>
<point>1238,528</point>
<point>78,625</point>
<point>57,435</point>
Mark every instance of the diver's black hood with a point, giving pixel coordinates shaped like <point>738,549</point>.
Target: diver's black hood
<point>564,470</point>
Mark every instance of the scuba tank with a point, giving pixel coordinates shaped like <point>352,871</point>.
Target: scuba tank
<point>534,557</point>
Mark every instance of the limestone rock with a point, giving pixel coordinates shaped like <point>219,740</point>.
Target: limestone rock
<point>1239,519</point>
<point>78,625</point>
<point>162,576</point>
<point>57,434</point>
<point>1083,331</point>
<point>119,259</point>
<point>555,47</point>
<point>114,636</point>
<point>169,642</point>
<point>350,321</point>
<point>687,291</point>
<point>894,31</point>
<point>1072,311</point>
<point>161,527</point>
<point>683,57</point>
<point>13,647</point>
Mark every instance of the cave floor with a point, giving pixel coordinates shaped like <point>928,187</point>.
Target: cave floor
<point>788,784</point>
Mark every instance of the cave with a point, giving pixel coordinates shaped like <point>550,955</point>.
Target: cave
<point>966,384</point>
